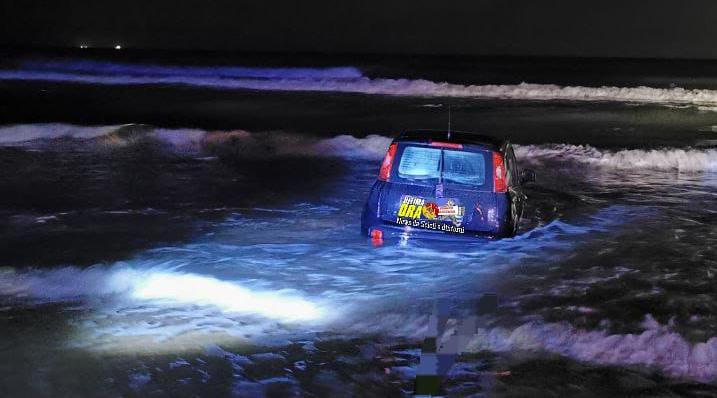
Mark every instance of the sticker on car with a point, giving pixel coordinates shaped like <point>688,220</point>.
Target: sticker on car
<point>440,214</point>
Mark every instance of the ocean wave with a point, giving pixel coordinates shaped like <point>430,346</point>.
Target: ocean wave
<point>237,143</point>
<point>338,79</point>
<point>25,133</point>
<point>657,346</point>
<point>244,144</point>
<point>115,68</point>
<point>679,159</point>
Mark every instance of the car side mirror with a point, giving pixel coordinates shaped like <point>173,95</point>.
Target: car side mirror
<point>526,176</point>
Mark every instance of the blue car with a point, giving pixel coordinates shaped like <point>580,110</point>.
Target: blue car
<point>446,185</point>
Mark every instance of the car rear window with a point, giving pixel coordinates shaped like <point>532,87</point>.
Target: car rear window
<point>429,164</point>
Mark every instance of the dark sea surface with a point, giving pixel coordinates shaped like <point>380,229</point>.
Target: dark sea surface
<point>188,225</point>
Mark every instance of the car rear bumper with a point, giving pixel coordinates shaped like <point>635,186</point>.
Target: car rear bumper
<point>396,231</point>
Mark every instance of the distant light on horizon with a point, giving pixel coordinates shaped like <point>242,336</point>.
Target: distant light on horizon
<point>83,46</point>
<point>118,47</point>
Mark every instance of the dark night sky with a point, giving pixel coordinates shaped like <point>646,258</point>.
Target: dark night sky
<point>628,28</point>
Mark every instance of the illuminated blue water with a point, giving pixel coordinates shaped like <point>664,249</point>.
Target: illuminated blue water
<point>223,262</point>
<point>602,249</point>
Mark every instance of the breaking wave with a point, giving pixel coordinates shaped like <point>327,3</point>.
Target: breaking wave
<point>655,159</point>
<point>112,68</point>
<point>372,147</point>
<point>657,346</point>
<point>25,133</point>
<point>337,79</point>
<point>195,141</point>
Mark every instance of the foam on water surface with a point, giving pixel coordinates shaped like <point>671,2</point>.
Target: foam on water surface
<point>337,79</point>
<point>371,147</point>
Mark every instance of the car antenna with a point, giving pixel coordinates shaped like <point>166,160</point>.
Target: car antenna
<point>449,122</point>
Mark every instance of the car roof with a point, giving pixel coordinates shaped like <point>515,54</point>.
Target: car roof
<point>458,137</point>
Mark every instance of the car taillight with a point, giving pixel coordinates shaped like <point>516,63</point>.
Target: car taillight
<point>377,237</point>
<point>499,176</point>
<point>387,163</point>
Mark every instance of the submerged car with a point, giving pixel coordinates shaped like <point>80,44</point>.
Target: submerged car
<point>446,185</point>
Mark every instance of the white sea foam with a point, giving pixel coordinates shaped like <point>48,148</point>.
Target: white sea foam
<point>19,133</point>
<point>680,159</point>
<point>198,141</point>
<point>344,79</point>
<point>657,346</point>
<point>115,68</point>
<point>371,147</point>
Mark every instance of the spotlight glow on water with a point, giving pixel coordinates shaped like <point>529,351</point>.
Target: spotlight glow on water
<point>228,296</point>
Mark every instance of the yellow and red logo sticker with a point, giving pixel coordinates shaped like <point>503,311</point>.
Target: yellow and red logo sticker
<point>430,210</point>
<point>440,214</point>
<point>411,207</point>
